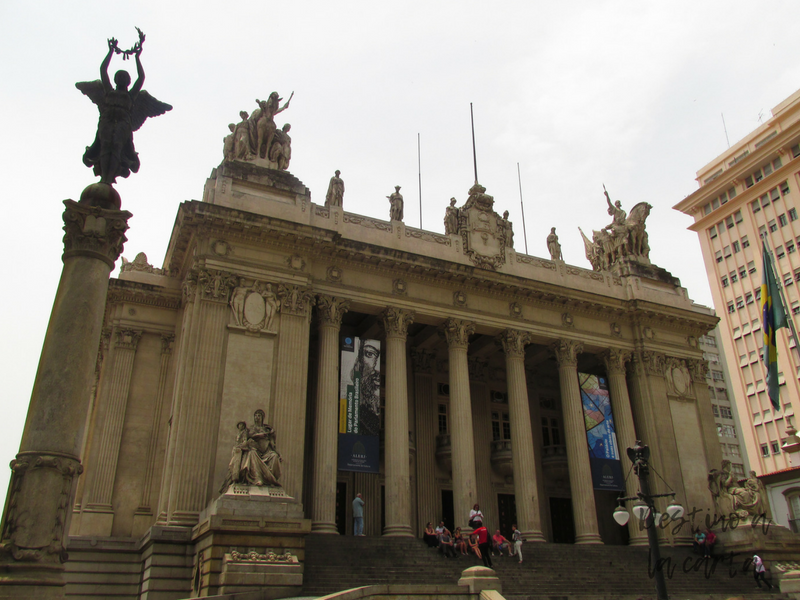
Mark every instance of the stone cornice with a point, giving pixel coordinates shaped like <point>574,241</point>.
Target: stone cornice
<point>142,293</point>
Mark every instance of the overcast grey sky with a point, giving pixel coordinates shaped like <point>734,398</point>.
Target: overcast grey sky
<point>579,93</point>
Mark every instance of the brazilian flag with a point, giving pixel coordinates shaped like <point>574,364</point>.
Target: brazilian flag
<point>774,317</point>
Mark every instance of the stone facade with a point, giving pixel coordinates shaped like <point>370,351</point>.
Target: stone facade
<point>481,350</point>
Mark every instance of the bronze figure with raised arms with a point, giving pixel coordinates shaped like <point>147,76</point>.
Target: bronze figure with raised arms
<point>122,111</point>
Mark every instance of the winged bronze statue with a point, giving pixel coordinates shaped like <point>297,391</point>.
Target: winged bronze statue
<point>122,111</point>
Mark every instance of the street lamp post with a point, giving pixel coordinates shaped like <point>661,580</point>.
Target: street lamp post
<point>645,510</point>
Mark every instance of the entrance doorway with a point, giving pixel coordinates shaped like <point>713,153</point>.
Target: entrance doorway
<point>341,507</point>
<point>561,521</point>
<point>507,513</point>
<point>448,513</point>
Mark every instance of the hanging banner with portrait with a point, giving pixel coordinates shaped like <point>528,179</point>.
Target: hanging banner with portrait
<point>601,435</point>
<point>360,405</point>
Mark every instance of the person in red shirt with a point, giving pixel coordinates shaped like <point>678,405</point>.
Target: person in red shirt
<point>484,545</point>
<point>501,543</point>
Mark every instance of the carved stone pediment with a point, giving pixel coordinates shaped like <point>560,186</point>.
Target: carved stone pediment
<point>482,230</point>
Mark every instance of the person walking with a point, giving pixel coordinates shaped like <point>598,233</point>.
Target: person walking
<point>759,571</point>
<point>516,537</point>
<point>358,515</point>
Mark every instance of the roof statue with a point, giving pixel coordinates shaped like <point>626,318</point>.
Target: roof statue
<point>257,139</point>
<point>123,110</point>
<point>624,239</point>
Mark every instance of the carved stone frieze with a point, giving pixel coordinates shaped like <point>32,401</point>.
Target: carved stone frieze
<point>653,362</point>
<point>331,310</point>
<point>567,320</point>
<point>678,378</point>
<point>367,222</point>
<point>399,287</point>
<point>295,300</point>
<point>698,369</point>
<point>457,332</point>
<point>268,557</point>
<point>296,262</point>
<point>615,360</point>
<point>127,339</point>
<point>93,231</point>
<point>566,352</point>
<point>515,310</point>
<point>513,342</point>
<point>649,333</point>
<point>189,288</point>
<point>48,477</point>
<point>536,262</point>
<point>422,361</point>
<point>220,247</point>
<point>396,321</point>
<point>616,330</point>
<point>333,274</point>
<point>253,306</point>
<point>459,298</point>
<point>691,341</point>
<point>427,236</point>
<point>214,285</point>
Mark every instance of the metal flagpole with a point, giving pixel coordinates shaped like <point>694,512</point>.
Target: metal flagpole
<point>419,170</point>
<point>522,206</point>
<point>474,155</point>
<point>779,283</point>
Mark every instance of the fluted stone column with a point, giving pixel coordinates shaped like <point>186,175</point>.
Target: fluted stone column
<point>143,517</point>
<point>580,472</point>
<point>614,361</point>
<point>291,381</point>
<point>330,311</point>
<point>41,490</point>
<point>426,428</point>
<point>465,493</point>
<point>98,514</point>
<point>526,486</point>
<point>198,421</point>
<point>398,490</point>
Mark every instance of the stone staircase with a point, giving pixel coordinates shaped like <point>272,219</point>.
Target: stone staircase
<point>549,571</point>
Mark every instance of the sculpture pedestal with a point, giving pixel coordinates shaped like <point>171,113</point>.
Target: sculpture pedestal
<point>250,538</point>
<point>774,544</point>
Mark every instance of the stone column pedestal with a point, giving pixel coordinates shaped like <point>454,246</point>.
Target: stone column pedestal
<point>42,487</point>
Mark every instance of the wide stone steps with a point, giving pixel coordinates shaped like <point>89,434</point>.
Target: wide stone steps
<point>335,563</point>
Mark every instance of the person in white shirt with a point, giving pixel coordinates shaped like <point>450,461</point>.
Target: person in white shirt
<point>475,517</point>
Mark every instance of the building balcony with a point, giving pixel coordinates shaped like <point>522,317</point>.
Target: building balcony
<point>501,458</point>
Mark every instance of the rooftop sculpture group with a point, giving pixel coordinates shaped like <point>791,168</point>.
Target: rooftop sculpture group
<point>256,138</point>
<point>623,239</point>
<point>122,111</point>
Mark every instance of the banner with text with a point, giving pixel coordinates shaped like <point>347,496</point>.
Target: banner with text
<point>600,433</point>
<point>360,405</point>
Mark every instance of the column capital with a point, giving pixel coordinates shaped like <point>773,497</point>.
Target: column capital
<point>615,359</point>
<point>698,369</point>
<point>422,361</point>
<point>513,342</point>
<point>295,300</point>
<point>396,321</point>
<point>167,340</point>
<point>94,231</point>
<point>331,310</point>
<point>566,352</point>
<point>127,339</point>
<point>653,363</point>
<point>457,332</point>
<point>215,285</point>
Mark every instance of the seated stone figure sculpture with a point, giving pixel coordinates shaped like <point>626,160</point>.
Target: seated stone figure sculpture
<point>254,458</point>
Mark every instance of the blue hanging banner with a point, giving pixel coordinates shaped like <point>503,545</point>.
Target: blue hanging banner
<point>601,435</point>
<point>360,405</point>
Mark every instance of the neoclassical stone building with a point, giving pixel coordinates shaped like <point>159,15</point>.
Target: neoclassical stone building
<point>481,350</point>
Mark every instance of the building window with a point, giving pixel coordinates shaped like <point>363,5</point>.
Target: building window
<point>737,333</point>
<point>748,298</point>
<point>764,200</point>
<point>783,220</point>
<point>734,278</point>
<point>774,194</point>
<point>758,296</point>
<point>745,328</point>
<point>715,408</point>
<point>755,206</point>
<point>745,242</point>
<point>501,428</point>
<point>707,209</point>
<point>726,251</point>
<point>753,356</point>
<point>751,267</point>
<point>739,302</point>
<point>779,252</point>
<point>773,226</point>
<point>762,231</point>
<point>717,375</point>
<point>797,274</point>
<point>736,247</point>
<point>756,324</point>
<point>793,214</point>
<point>724,282</point>
<point>734,449</point>
<point>442,418</point>
<point>731,308</point>
<point>738,469</point>
<point>790,248</point>
<point>788,280</point>
<point>722,393</point>
<point>712,232</point>
<point>729,222</point>
<point>795,307</point>
<point>784,187</point>
<point>750,389</point>
<point>718,256</point>
<point>725,412</point>
<point>776,447</point>
<point>738,215</point>
<point>764,450</point>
